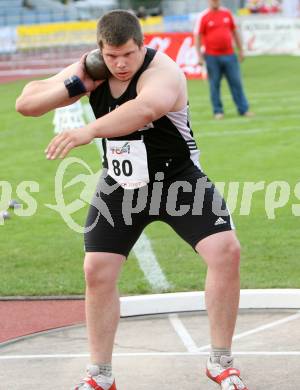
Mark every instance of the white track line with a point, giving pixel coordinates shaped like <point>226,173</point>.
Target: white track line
<point>149,264</point>
<point>285,109</point>
<point>182,332</point>
<point>252,96</point>
<point>256,118</point>
<point>268,326</point>
<point>259,329</point>
<point>244,132</point>
<point>272,94</point>
<point>255,104</point>
<point>148,354</point>
<point>243,120</point>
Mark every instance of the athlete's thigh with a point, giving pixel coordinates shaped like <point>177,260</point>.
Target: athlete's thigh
<point>107,227</point>
<point>206,211</point>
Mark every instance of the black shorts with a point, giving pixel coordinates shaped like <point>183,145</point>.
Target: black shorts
<point>189,203</point>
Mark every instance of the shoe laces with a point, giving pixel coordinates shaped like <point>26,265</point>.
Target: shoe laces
<point>233,382</point>
<point>93,372</point>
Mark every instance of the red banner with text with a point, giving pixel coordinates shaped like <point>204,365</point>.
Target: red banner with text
<point>180,47</point>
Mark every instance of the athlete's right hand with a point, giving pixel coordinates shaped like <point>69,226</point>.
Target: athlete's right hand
<point>61,144</point>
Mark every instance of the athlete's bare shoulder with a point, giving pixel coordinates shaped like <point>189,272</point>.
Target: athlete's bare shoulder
<point>162,60</point>
<point>164,77</point>
<point>162,66</point>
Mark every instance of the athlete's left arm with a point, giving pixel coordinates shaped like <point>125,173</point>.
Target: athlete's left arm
<point>158,91</point>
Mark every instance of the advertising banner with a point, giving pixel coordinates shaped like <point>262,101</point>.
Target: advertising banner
<point>271,35</point>
<point>8,39</point>
<point>56,34</point>
<point>180,47</point>
<point>261,35</point>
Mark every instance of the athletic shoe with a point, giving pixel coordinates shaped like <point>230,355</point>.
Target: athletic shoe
<point>224,374</point>
<point>96,381</point>
<point>219,116</point>
<point>248,114</point>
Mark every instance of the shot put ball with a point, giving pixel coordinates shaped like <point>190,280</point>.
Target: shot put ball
<point>95,66</point>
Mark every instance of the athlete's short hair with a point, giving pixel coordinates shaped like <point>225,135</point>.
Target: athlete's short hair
<point>117,27</point>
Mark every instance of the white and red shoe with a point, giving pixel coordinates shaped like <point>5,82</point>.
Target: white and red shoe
<point>96,381</point>
<point>224,374</point>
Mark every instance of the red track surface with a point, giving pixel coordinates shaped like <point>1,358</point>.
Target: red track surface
<point>24,317</point>
<point>10,79</point>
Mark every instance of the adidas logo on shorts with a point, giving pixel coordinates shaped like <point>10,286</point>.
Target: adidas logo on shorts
<point>220,221</point>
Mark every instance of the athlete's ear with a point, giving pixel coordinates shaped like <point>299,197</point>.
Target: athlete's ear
<point>142,44</point>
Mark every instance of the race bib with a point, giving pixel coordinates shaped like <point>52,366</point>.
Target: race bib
<point>127,163</point>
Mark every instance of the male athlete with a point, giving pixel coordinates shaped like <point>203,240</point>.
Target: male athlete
<point>142,118</point>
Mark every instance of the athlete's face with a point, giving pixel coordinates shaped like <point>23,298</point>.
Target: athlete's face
<point>123,61</point>
<point>214,4</point>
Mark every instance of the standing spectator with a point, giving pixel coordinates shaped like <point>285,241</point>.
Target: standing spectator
<point>215,30</point>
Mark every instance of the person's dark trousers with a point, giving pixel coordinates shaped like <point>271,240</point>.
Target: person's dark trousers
<point>228,66</point>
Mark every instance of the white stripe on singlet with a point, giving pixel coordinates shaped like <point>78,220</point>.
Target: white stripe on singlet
<point>180,120</point>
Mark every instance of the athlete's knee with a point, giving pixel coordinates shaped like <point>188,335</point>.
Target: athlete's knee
<point>101,270</point>
<point>228,261</point>
<point>221,251</point>
<point>232,253</point>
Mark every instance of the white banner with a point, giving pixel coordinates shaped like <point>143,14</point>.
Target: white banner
<point>68,117</point>
<point>271,35</point>
<point>291,8</point>
<point>8,39</point>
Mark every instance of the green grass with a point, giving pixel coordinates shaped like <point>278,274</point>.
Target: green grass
<point>40,255</point>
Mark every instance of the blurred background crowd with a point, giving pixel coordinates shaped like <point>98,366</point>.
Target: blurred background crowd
<point>16,12</point>
<point>42,36</point>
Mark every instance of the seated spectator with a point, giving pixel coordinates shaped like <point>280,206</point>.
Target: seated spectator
<point>264,6</point>
<point>27,4</point>
<point>141,13</point>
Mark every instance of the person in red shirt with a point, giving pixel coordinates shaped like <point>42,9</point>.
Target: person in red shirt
<point>214,33</point>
